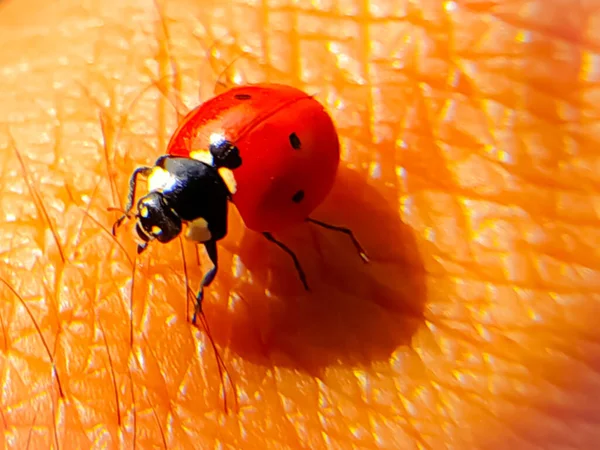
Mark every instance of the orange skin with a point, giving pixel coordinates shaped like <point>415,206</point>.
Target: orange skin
<point>469,172</point>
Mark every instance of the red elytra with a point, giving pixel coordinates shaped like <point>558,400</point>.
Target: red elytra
<point>288,145</point>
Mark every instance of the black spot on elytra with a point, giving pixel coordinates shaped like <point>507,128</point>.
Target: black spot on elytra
<point>295,141</point>
<point>242,96</point>
<point>298,196</point>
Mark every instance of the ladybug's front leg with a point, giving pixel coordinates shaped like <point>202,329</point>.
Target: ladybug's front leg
<point>140,171</point>
<point>211,249</point>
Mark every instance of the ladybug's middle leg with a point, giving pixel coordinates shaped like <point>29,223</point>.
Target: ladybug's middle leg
<point>211,250</point>
<point>286,249</point>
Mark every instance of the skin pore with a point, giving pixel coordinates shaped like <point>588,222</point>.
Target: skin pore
<point>469,143</point>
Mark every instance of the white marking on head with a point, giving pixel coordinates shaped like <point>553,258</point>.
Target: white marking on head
<point>197,231</point>
<point>216,138</point>
<point>161,180</point>
<point>202,156</point>
<point>229,179</point>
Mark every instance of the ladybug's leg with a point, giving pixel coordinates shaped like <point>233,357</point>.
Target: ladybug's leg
<point>211,249</point>
<point>346,231</point>
<point>140,171</point>
<point>286,249</point>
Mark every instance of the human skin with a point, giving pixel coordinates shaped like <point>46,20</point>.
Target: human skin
<point>469,173</point>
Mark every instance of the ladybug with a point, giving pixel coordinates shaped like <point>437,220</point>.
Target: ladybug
<point>270,149</point>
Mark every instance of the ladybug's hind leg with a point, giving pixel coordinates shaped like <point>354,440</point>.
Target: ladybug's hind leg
<point>346,231</point>
<point>211,250</point>
<point>286,249</point>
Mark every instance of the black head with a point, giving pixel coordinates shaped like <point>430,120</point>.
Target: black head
<point>225,154</point>
<point>155,220</point>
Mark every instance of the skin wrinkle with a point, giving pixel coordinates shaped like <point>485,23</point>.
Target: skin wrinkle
<point>474,326</point>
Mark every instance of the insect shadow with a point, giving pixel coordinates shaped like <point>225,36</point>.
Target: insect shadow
<point>355,313</point>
